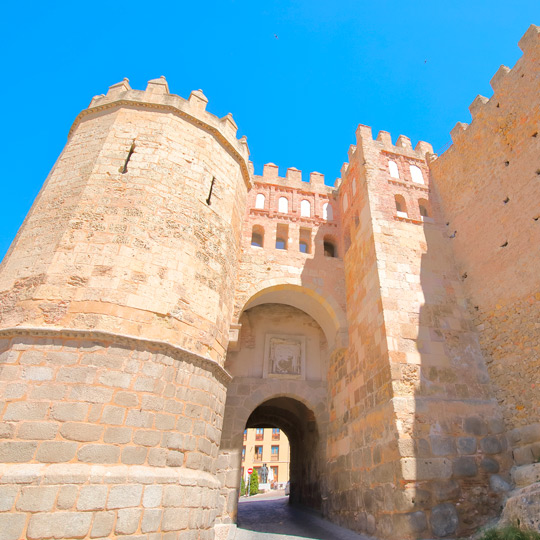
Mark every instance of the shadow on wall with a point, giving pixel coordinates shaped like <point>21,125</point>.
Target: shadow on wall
<point>456,467</point>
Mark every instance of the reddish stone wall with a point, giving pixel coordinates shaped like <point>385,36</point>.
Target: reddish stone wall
<point>488,181</point>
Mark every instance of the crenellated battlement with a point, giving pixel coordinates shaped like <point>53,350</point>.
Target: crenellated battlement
<point>403,146</point>
<point>157,96</point>
<point>293,179</point>
<point>503,81</point>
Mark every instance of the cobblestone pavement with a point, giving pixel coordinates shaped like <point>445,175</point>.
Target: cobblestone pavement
<point>274,519</point>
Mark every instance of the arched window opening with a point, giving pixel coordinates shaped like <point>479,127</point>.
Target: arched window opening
<point>393,168</point>
<point>416,174</point>
<point>353,186</point>
<point>283,205</point>
<point>329,247</point>
<point>257,236</point>
<point>305,208</point>
<point>305,241</point>
<point>424,209</point>
<point>281,243</point>
<point>282,235</point>
<point>260,200</point>
<point>328,213</point>
<point>401,206</point>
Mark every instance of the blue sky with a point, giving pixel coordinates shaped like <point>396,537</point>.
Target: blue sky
<point>409,68</point>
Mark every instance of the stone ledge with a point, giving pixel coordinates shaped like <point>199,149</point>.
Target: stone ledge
<point>80,473</point>
<point>122,339</point>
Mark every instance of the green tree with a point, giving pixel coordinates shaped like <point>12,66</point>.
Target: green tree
<point>254,484</point>
<point>242,486</point>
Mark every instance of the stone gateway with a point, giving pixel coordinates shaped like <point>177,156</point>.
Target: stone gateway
<point>160,298</point>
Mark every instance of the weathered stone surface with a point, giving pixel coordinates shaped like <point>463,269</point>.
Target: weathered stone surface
<point>444,519</point>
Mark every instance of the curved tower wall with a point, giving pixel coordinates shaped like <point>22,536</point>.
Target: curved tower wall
<point>115,303</point>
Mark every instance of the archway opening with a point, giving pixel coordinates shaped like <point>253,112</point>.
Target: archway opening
<point>300,426</point>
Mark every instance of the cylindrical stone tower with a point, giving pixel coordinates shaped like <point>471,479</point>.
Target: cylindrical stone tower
<point>115,305</point>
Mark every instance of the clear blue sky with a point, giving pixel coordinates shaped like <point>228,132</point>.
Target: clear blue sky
<point>409,68</point>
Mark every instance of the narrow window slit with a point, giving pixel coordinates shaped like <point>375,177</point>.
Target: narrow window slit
<point>124,169</point>
<point>208,201</point>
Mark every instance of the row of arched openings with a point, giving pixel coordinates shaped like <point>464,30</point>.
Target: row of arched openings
<point>416,172</point>
<point>401,207</point>
<point>304,243</point>
<point>305,207</point>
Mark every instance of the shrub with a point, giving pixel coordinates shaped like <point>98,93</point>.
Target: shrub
<point>254,484</point>
<point>511,532</point>
<point>242,486</point>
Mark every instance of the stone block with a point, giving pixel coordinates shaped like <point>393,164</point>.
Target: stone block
<point>56,451</point>
<point>444,519</point>
<point>117,435</point>
<point>498,484</point>
<point>475,426</point>
<point>99,453</point>
<point>37,430</point>
<point>491,445</point>
<point>489,465</point>
<point>92,497</point>
<point>152,496</point>
<point>466,445</point>
<point>126,399</point>
<point>113,415</point>
<point>24,410</point>
<point>174,520</point>
<point>174,495</point>
<point>65,412</point>
<point>410,524</point>
<point>103,524</point>
<point>17,452</point>
<point>134,455</point>
<point>426,469</point>
<point>80,431</point>
<point>174,459</point>
<point>59,525</point>
<point>443,446</point>
<point>127,521</point>
<point>67,497</point>
<point>464,467</point>
<point>37,499</point>
<point>7,497</point>
<point>11,526</point>
<point>147,437</point>
<point>151,520</point>
<point>124,496</point>
<point>526,474</point>
<point>7,430</point>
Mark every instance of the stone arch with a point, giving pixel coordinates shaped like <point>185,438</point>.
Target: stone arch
<point>299,409</point>
<point>323,308</point>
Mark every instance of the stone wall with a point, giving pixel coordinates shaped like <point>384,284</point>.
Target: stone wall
<point>430,424</point>
<point>488,181</point>
<point>107,440</point>
<point>125,236</point>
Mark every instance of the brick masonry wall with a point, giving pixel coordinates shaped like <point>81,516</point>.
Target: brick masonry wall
<point>489,186</point>
<point>106,440</point>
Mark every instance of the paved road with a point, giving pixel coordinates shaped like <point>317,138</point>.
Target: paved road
<point>272,518</point>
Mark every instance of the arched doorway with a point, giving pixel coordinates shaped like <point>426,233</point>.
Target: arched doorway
<point>279,380</point>
<point>300,425</point>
